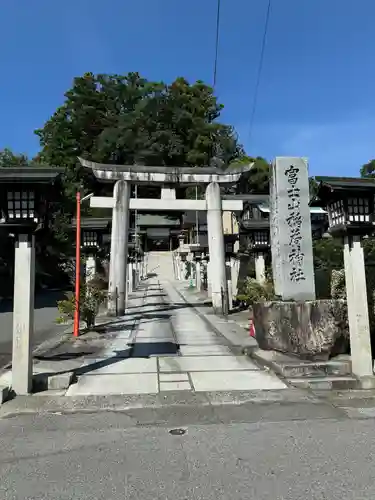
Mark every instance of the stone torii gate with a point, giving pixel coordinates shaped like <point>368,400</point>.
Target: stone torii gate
<point>167,178</point>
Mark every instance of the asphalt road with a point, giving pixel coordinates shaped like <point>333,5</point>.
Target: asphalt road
<point>108,456</point>
<point>44,322</point>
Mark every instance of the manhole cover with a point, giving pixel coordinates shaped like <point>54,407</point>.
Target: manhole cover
<point>177,432</point>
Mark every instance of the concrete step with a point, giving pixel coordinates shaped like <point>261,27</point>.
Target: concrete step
<point>315,369</point>
<point>318,375</point>
<point>324,383</point>
<point>291,366</point>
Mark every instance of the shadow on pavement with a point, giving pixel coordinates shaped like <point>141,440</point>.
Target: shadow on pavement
<point>147,349</point>
<point>143,350</point>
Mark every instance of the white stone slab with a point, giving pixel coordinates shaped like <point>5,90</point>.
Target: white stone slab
<point>123,335</point>
<point>161,335</point>
<point>235,381</point>
<point>6,378</point>
<point>204,350</point>
<point>194,336</point>
<point>146,340</point>
<point>142,383</point>
<point>175,386</point>
<point>131,365</point>
<point>173,377</point>
<point>199,342</point>
<point>206,363</point>
<point>114,348</point>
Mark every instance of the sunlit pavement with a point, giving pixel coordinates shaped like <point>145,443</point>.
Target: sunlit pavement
<point>165,345</point>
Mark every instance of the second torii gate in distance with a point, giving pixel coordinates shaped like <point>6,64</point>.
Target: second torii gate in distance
<point>167,178</point>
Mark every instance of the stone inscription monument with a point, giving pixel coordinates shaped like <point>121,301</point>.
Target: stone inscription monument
<point>290,230</point>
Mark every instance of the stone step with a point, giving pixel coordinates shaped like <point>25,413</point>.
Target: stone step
<point>290,366</point>
<point>315,369</point>
<point>324,383</point>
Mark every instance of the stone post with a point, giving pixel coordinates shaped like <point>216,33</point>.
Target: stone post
<point>144,266</point>
<point>177,266</point>
<point>229,285</point>
<point>23,314</point>
<point>198,276</point>
<point>119,249</point>
<point>174,265</point>
<point>208,274</point>
<point>130,281</point>
<point>356,294</point>
<point>90,268</point>
<point>136,273</point>
<point>217,273</point>
<point>235,267</point>
<point>182,262</point>
<point>260,267</point>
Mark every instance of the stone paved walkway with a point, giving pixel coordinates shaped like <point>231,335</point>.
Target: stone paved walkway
<point>163,344</point>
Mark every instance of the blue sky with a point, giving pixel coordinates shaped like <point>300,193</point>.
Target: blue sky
<point>316,96</point>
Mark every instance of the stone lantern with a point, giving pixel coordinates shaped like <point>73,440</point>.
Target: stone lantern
<point>229,241</point>
<point>94,231</point>
<point>349,203</point>
<point>259,245</point>
<point>255,224</point>
<point>197,251</point>
<point>259,240</point>
<point>132,274</point>
<point>25,193</point>
<point>350,206</point>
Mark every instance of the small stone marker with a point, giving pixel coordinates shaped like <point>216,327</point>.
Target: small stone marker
<point>290,230</point>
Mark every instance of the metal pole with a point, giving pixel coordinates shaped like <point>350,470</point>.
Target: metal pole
<point>78,265</point>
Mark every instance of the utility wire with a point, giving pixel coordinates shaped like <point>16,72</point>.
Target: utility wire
<point>217,40</point>
<point>260,67</point>
<point>217,37</point>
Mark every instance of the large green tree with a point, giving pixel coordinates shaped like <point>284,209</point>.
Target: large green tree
<point>368,169</point>
<point>257,179</point>
<point>130,120</point>
<point>10,159</point>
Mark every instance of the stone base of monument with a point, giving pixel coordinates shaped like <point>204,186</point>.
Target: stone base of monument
<point>311,330</point>
<point>334,374</point>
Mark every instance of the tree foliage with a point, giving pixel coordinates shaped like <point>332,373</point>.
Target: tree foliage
<point>257,179</point>
<point>10,159</point>
<point>130,120</point>
<point>368,169</point>
<point>328,254</point>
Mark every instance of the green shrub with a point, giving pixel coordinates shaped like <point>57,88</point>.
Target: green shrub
<point>251,291</point>
<point>338,289</point>
<point>92,296</point>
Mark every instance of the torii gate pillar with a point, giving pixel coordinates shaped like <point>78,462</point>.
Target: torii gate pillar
<point>219,286</point>
<point>119,249</point>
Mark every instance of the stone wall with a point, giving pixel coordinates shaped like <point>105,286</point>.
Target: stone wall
<point>316,329</point>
